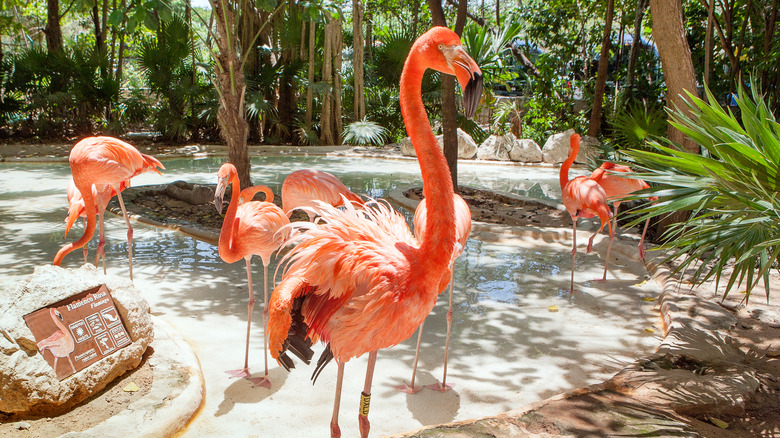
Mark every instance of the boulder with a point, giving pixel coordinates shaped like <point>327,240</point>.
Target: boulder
<point>30,385</point>
<point>467,147</point>
<point>194,194</point>
<point>496,147</point>
<point>590,149</point>
<point>525,150</point>
<point>556,149</point>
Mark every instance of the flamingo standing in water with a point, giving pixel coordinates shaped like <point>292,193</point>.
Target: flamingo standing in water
<point>616,187</point>
<point>359,280</point>
<point>250,228</point>
<point>462,231</point>
<point>60,343</point>
<point>104,162</point>
<point>582,197</point>
<point>304,187</point>
<point>77,210</point>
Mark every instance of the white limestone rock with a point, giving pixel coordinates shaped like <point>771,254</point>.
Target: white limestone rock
<point>467,147</point>
<point>590,149</point>
<point>525,150</point>
<point>556,149</point>
<point>29,384</point>
<point>496,147</point>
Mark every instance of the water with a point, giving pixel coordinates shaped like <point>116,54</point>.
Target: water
<point>508,347</point>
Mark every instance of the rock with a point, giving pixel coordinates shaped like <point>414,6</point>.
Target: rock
<point>590,149</point>
<point>194,194</point>
<point>496,147</point>
<point>29,384</point>
<point>556,149</point>
<point>525,150</point>
<point>467,148</point>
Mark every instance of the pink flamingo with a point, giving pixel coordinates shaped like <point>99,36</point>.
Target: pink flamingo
<point>304,187</point>
<point>104,162</point>
<point>60,343</point>
<point>462,231</point>
<point>584,198</point>
<point>359,280</point>
<point>76,209</point>
<point>250,228</point>
<point>616,187</point>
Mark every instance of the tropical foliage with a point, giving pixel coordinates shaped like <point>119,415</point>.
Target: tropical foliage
<point>731,190</point>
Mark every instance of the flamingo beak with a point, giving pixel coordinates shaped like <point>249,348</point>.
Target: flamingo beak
<point>219,193</point>
<point>470,78</point>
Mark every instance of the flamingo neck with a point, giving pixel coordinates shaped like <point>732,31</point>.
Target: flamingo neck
<point>438,241</point>
<point>226,250</point>
<point>89,207</point>
<point>564,175</point>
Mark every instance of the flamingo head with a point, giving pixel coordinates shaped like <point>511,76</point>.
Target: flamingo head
<point>444,52</point>
<point>224,177</point>
<point>574,144</point>
<point>55,313</point>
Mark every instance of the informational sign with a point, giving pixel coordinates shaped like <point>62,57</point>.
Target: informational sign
<point>78,331</point>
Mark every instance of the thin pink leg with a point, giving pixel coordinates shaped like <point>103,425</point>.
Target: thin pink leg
<point>411,389</point>
<point>365,400</point>
<point>335,432</point>
<point>129,231</point>
<point>642,241</point>
<point>101,251</point>
<point>84,249</point>
<point>264,381</point>
<point>244,372</point>
<point>444,386</point>
<point>573,250</point>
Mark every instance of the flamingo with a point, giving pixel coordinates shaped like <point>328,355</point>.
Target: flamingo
<point>76,209</point>
<point>304,187</point>
<point>104,162</point>
<point>250,228</point>
<point>60,343</point>
<point>617,187</point>
<point>462,231</point>
<point>582,197</point>
<point>359,280</point>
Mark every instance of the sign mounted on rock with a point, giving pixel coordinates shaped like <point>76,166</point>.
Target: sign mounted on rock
<point>78,331</point>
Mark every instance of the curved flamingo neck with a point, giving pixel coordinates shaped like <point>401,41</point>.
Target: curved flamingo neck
<point>564,175</point>
<point>439,238</point>
<point>226,250</point>
<point>89,230</point>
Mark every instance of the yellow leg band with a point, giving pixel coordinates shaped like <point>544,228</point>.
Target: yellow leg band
<point>365,403</point>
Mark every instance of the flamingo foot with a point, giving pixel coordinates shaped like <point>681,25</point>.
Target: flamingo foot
<point>641,253</point>
<point>243,372</point>
<point>363,425</point>
<point>600,280</point>
<point>403,387</point>
<point>264,381</point>
<point>441,387</point>
<point>335,432</point>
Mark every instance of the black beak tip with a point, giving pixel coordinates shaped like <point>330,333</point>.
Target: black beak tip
<point>471,94</point>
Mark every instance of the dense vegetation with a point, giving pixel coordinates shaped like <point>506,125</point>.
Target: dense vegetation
<point>150,66</point>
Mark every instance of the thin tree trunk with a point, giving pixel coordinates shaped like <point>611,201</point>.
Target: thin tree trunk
<point>641,5</point>
<point>338,49</point>
<point>676,62</point>
<point>310,77</point>
<point>357,59</point>
<point>708,42</point>
<point>326,125</point>
<point>231,85</point>
<point>120,59</point>
<point>601,78</point>
<point>53,30</point>
<point>415,13</point>
<point>769,32</point>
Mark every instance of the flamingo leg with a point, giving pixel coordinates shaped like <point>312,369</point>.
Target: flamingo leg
<point>84,248</point>
<point>335,432</point>
<point>443,386</point>
<point>573,250</point>
<point>264,381</point>
<point>101,252</point>
<point>642,241</point>
<point>365,396</point>
<point>129,230</point>
<point>411,389</point>
<point>244,372</point>
<point>612,228</point>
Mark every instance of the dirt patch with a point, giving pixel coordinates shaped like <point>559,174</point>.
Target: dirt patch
<point>111,401</point>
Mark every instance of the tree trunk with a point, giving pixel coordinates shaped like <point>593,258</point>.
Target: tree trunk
<point>357,59</point>
<point>120,58</point>
<point>231,85</point>
<point>309,89</point>
<point>601,78</point>
<point>53,30</point>
<point>769,31</point>
<point>326,121</point>
<point>708,42</point>
<point>415,13</point>
<point>338,44</point>
<point>641,5</point>
<point>676,62</point>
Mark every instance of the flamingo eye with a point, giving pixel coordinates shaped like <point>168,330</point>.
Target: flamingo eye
<point>441,47</point>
